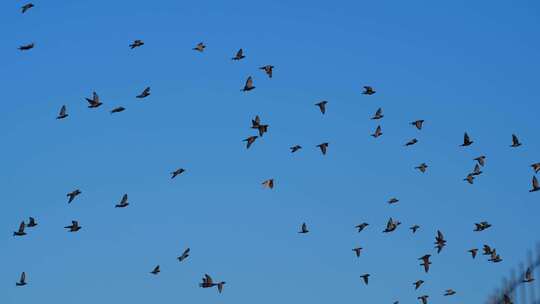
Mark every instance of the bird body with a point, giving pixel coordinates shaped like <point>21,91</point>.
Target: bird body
<point>466,140</point>
<point>391,225</point>
<point>199,47</point>
<point>535,186</point>
<point>418,124</point>
<point>156,270</point>
<point>26,7</point>
<point>31,222</point>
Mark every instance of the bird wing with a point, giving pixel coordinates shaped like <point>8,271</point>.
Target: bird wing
<point>23,277</point>
<point>515,139</point>
<point>63,110</point>
<point>21,227</point>
<point>208,279</point>
<point>124,199</point>
<point>535,182</point>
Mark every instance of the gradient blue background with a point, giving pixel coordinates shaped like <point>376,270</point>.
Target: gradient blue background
<point>460,65</point>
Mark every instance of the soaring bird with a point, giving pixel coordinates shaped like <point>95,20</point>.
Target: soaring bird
<point>295,148</point>
<point>422,167</point>
<point>303,228</point>
<point>417,284</point>
<point>239,55</point>
<point>473,252</point>
<point>177,172</point>
<point>323,147</point>
<point>208,283</point>
<point>199,47</point>
<point>156,270</point>
<point>466,140</point>
<point>26,47</point>
<point>118,110</point>
<point>378,114</point>
<point>123,202</point>
<point>481,226</point>
<point>476,171</point>
<point>536,167</point>
<point>184,255</point>
<point>361,227</point>
<point>145,93</point>
<point>357,251</point>
<point>515,141</point>
<point>20,232</point>
<point>535,186</point>
<point>26,7</point>
<point>269,183</point>
<point>368,90</point>
<point>528,276</point>
<point>449,292</point>
<point>365,277</point>
<point>63,113</point>
<point>424,299</point>
<point>22,280</point>
<point>73,194</point>
<point>414,228</point>
<point>469,179</point>
<point>136,43</point>
<point>249,85</point>
<point>440,242</point>
<point>391,225</point>
<point>378,132</point>
<point>31,222</point>
<point>411,142</point>
<point>94,102</point>
<point>250,140</point>
<point>481,160</point>
<point>425,262</point>
<point>322,106</point>
<point>268,69</point>
<point>392,201</point>
<point>418,124</point>
<point>74,227</point>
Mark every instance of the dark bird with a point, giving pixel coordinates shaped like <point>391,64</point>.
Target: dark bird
<point>487,250</point>
<point>199,47</point>
<point>378,132</point>
<point>268,69</point>
<point>378,114</point>
<point>250,140</point>
<point>495,258</point>
<point>417,284</point>
<point>20,232</point>
<point>63,113</point>
<point>269,183</point>
<point>482,226</point>
<point>262,129</point>
<point>208,283</point>
<point>411,142</point>
<point>156,270</point>
<point>425,262</point>
<point>507,299</point>
<point>481,160</point>
<point>418,124</point>
<point>249,85</point>
<point>440,242</point>
<point>322,106</point>
<point>414,228</point>
<point>422,167</point>
<point>365,277</point>
<point>536,167</point>
<point>391,225</point>
<point>323,147</point>
<point>74,227</point>
<point>515,141</point>
<point>256,122</point>
<point>528,276</point>
<point>184,255</point>
<point>368,90</point>
<point>177,172</point>
<point>295,148</point>
<point>449,292</point>
<point>303,228</point>
<point>473,252</point>
<point>94,101</point>
<point>239,55</point>
<point>31,222</point>
<point>476,171</point>
<point>535,186</point>
<point>361,227</point>
<point>393,200</point>
<point>118,110</point>
<point>424,299</point>
<point>136,43</point>
<point>22,280</point>
<point>466,140</point>
<point>73,194</point>
<point>26,47</point>
<point>469,179</point>
<point>123,202</point>
<point>26,7</point>
<point>145,93</point>
<point>357,251</point>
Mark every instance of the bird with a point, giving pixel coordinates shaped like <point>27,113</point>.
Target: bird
<point>425,262</point>
<point>378,132</point>
<point>422,167</point>
<point>418,124</point>
<point>440,242</point>
<point>73,194</point>
<point>392,200</point>
<point>26,7</point>
<point>507,299</point>
<point>268,69</point>
<point>269,183</point>
<point>368,90</point>
<point>535,186</point>
<point>495,258</point>
<point>295,148</point>
<point>469,179</point>
<point>156,270</point>
<point>63,113</point>
<point>391,225</point>
<point>22,280</point>
<point>528,276</point>
<point>417,284</point>
<point>256,122</point>
<point>303,228</point>
<point>414,228</point>
<point>262,129</point>
<point>74,227</point>
<point>424,299</point>
<point>177,172</point>
<point>31,222</point>
<point>249,84</point>
<point>482,226</point>
<point>199,47</point>
<point>357,251</point>
<point>411,142</point>
<point>487,250</point>
<point>536,167</point>
<point>449,292</point>
<point>20,232</point>
<point>250,140</point>
<point>323,147</point>
<point>239,55</point>
<point>94,102</point>
<point>361,227</point>
<point>322,106</point>
<point>365,277</point>
<point>466,140</point>
<point>378,114</point>
<point>476,171</point>
<point>473,252</point>
<point>145,93</point>
<point>515,141</point>
<point>136,43</point>
<point>481,160</point>
<point>26,47</point>
<point>117,110</point>
<point>184,255</point>
<point>208,283</point>
<point>123,202</point>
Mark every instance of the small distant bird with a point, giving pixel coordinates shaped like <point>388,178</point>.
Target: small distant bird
<point>414,228</point>
<point>378,114</point>
<point>322,106</point>
<point>368,90</point>
<point>74,227</point>
<point>440,242</point>
<point>528,276</point>
<point>482,226</point>
<point>536,167</point>
<point>295,148</point>
<point>424,299</point>
<point>208,283</point>
<point>535,186</point>
<point>249,85</point>
<point>136,43</point>
<point>365,277</point>
<point>391,225</point>
<point>184,255</point>
<point>361,227</point>
<point>378,132</point>
<point>117,110</point>
<point>469,179</point>
<point>481,160</point>
<point>269,183</point>
<point>26,7</point>
<point>20,232</point>
<point>422,167</point>
<point>63,113</point>
<point>262,129</point>
<point>145,93</point>
<point>303,228</point>
<point>323,147</point>
<point>357,251</point>
<point>250,140</point>
<point>418,124</point>
<point>26,47</point>
<point>417,284</point>
<point>156,270</point>
<point>495,258</point>
<point>449,292</point>
<point>123,202</point>
<point>393,200</point>
<point>199,47</point>
<point>31,222</point>
<point>476,171</point>
<point>268,69</point>
<point>411,142</point>
<point>507,299</point>
<point>515,141</point>
<point>425,262</point>
<point>22,280</point>
<point>177,172</point>
<point>256,122</point>
<point>73,194</point>
<point>239,55</point>
<point>466,140</point>
<point>94,101</point>
<point>487,250</point>
<point>473,252</point>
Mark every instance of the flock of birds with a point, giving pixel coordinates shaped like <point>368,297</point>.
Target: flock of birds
<point>207,281</point>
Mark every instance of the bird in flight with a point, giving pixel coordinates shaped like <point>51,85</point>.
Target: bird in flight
<point>469,179</point>
<point>303,229</point>
<point>156,270</point>
<point>73,194</point>
<point>473,252</point>
<point>145,93</point>
<point>425,262</point>
<point>449,292</point>
<point>26,7</point>
<point>466,140</point>
<point>322,106</point>
<point>481,160</point>
<point>249,85</point>
<point>123,202</point>
<point>239,55</point>
<point>535,186</point>
<point>250,140</point>
<point>20,232</point>
<point>495,257</point>
<point>378,114</point>
<point>136,43</point>
<point>417,284</point>
<point>440,242</point>
<point>22,280</point>
<point>424,299</point>
<point>357,251</point>
<point>487,250</point>
<point>361,227</point>
<point>94,101</point>
<point>31,222</point>
<point>378,132</point>
<point>365,278</point>
<point>476,171</point>
<point>418,124</point>
<point>528,276</point>
<point>199,47</point>
<point>74,227</point>
<point>269,183</point>
<point>208,283</point>
<point>536,167</point>
<point>515,141</point>
<point>368,90</point>
<point>414,228</point>
<point>63,113</point>
<point>268,69</point>
<point>295,148</point>
<point>256,124</point>
<point>184,255</point>
<point>392,201</point>
<point>411,142</point>
<point>482,226</point>
<point>118,110</point>
<point>422,167</point>
<point>391,225</point>
<point>323,147</point>
<point>177,172</point>
<point>26,47</point>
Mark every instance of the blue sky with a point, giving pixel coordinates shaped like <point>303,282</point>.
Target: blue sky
<point>460,66</point>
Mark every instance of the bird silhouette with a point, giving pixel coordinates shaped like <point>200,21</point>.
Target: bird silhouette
<point>481,160</point>
<point>515,141</point>
<point>449,292</point>
<point>26,7</point>
<point>22,280</point>
<point>268,69</point>
<point>487,250</point>
<point>417,284</point>
<point>199,47</point>
<point>392,201</point>
<point>94,102</point>
<point>63,113</point>
<point>378,132</point>
<point>26,47</point>
<point>123,202</point>
<point>425,262</point>
<point>184,255</point>
<point>424,299</point>
<point>136,43</point>
<point>495,257</point>
<point>20,232</point>
<point>145,93</point>
<point>414,228</point>
<point>378,114</point>
<point>177,172</point>
<point>118,110</point>
<point>473,252</point>
<point>156,270</point>
<point>368,90</point>
<point>391,225</point>
<point>476,171</point>
<point>249,84</point>
<point>481,226</point>
<point>361,227</point>
<point>418,124</point>
<point>208,283</point>
<point>323,147</point>
<point>528,276</point>
<point>269,183</point>
<point>411,142</point>
<point>469,179</point>
<point>357,251</point>
<point>74,227</point>
<point>322,106</point>
<point>31,222</point>
<point>535,186</point>
<point>440,242</point>
<point>250,140</point>
<point>239,55</point>
<point>73,194</point>
<point>295,148</point>
<point>536,167</point>
<point>365,278</point>
<point>466,140</point>
<point>422,167</point>
<point>303,229</point>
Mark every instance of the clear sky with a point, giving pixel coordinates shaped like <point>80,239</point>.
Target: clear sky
<point>459,65</point>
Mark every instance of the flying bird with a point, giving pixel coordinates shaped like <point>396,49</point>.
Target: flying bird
<point>482,226</point>
<point>495,258</point>
<point>411,142</point>
<point>145,93</point>
<point>73,194</point>
<point>239,55</point>
<point>487,250</point>
<point>528,276</point>
<point>323,147</point>
<point>199,47</point>
<point>136,43</point>
<point>365,277</point>
<point>368,90</point>
<point>440,242</point>
<point>208,283</point>
<point>473,252</point>
<point>357,251</point>
<point>476,171</point>
<point>26,47</point>
<point>322,106</point>
<point>481,160</point>
<point>63,113</point>
<point>424,299</point>
<point>378,132</point>
<point>22,280</point>
<point>515,141</point>
<point>74,227</point>
<point>26,7</point>
<point>118,110</point>
<point>20,232</point>
<point>414,228</point>
<point>536,167</point>
<point>269,183</point>
<point>177,172</point>
<point>361,227</point>
<point>184,255</point>
<point>418,124</point>
<point>249,85</point>
<point>466,140</point>
<point>535,186</point>
<point>123,202</point>
<point>250,140</point>
<point>295,148</point>
<point>94,102</point>
<point>391,225</point>
<point>417,284</point>
<point>31,222</point>
<point>268,69</point>
<point>378,114</point>
<point>422,167</point>
<point>303,228</point>
<point>449,292</point>
<point>469,179</point>
<point>425,262</point>
<point>156,270</point>
<point>393,200</point>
